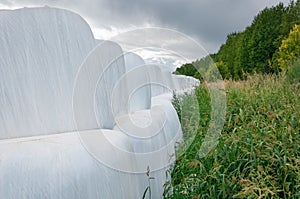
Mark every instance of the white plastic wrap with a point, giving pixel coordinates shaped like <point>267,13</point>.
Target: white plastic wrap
<point>40,53</point>
<point>97,117</point>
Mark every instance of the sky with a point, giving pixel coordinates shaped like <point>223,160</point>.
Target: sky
<point>208,22</point>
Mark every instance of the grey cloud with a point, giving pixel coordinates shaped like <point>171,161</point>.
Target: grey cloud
<point>209,21</point>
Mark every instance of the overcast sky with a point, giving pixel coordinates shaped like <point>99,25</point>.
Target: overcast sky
<point>207,21</point>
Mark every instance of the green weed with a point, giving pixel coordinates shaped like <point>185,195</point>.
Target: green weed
<point>258,155</point>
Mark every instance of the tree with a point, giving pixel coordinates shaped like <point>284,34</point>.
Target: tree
<point>186,69</point>
<point>289,51</point>
<point>257,49</point>
<point>266,30</point>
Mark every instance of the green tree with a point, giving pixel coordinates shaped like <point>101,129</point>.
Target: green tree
<point>186,69</point>
<point>256,49</point>
<point>266,30</point>
<point>289,51</point>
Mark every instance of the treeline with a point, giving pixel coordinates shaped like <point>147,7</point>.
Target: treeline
<point>259,48</point>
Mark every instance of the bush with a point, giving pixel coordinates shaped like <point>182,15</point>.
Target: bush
<point>293,74</point>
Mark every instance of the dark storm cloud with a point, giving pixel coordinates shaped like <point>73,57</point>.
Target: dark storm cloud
<point>207,20</point>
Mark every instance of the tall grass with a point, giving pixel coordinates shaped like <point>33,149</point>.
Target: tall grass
<point>258,155</point>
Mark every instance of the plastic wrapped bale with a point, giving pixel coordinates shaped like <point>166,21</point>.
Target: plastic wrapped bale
<point>40,53</point>
<point>55,89</point>
<point>139,91</point>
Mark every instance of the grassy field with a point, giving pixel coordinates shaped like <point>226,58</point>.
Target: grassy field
<point>258,155</point>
